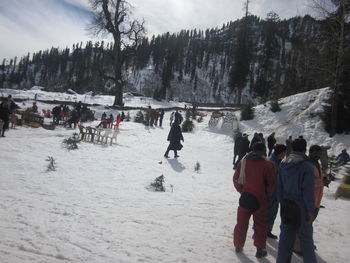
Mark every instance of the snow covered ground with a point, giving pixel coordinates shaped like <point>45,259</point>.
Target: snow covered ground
<point>95,207</point>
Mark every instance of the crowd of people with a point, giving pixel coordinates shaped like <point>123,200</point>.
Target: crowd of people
<point>154,117</point>
<point>107,122</point>
<point>279,175</point>
<point>71,117</point>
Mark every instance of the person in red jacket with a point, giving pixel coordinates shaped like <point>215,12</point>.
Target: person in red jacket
<point>254,179</point>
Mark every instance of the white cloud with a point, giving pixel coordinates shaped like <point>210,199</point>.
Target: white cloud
<point>31,25</point>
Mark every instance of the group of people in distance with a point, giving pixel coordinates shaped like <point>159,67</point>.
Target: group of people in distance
<point>107,122</point>
<point>288,178</point>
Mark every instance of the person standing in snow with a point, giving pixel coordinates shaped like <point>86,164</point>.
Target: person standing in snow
<point>122,116</point>
<point>295,190</point>
<point>6,108</point>
<point>161,116</point>
<point>56,114</point>
<point>315,153</point>
<point>174,137</point>
<point>243,148</point>
<point>254,179</point>
<point>343,157</point>
<point>172,117</point>
<point>324,159</point>
<point>289,145</point>
<point>271,141</point>
<point>256,138</point>
<point>178,117</point>
<point>279,152</point>
<point>236,146</point>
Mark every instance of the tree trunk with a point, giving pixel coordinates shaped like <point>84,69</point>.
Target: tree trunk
<point>339,69</point>
<point>118,81</point>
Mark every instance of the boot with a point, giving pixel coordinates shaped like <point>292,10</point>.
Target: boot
<point>272,236</point>
<point>261,252</point>
<point>238,249</point>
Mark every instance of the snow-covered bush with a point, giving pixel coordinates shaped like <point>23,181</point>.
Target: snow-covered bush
<point>72,142</point>
<point>157,185</point>
<point>187,125</point>
<point>52,164</point>
<point>274,106</point>
<point>139,117</point>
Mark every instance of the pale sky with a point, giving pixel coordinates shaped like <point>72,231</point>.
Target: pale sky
<point>33,25</point>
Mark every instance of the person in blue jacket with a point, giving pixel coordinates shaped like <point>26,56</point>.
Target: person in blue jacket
<point>296,195</point>
<point>343,157</point>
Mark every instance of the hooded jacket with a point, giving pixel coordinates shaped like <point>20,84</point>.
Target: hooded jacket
<point>257,176</point>
<point>296,180</point>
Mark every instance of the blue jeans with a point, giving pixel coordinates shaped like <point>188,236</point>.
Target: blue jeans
<point>272,210</point>
<point>287,239</point>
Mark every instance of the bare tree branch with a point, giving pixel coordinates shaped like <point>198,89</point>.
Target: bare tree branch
<point>114,17</point>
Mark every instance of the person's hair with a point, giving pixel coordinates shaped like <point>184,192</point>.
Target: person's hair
<point>259,146</point>
<point>315,148</point>
<point>279,148</point>
<point>299,145</point>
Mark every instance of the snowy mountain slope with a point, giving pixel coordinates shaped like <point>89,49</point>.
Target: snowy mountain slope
<point>95,207</point>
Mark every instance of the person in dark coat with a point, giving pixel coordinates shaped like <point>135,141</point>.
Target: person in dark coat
<point>236,147</point>
<point>56,114</point>
<point>6,108</point>
<point>256,138</point>
<point>289,145</point>
<point>279,152</point>
<point>174,137</point>
<point>271,141</point>
<point>122,116</point>
<point>243,149</point>
<point>178,116</point>
<point>161,116</point>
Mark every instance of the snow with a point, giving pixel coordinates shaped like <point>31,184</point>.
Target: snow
<point>95,207</point>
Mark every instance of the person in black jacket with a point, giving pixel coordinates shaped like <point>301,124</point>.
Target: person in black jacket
<point>236,147</point>
<point>6,108</point>
<point>271,141</point>
<point>243,149</point>
<point>174,137</point>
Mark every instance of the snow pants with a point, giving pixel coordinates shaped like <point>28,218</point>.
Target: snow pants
<point>272,210</point>
<point>241,228</point>
<point>287,239</point>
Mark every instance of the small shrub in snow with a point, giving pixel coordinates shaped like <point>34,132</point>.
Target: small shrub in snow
<point>187,125</point>
<point>139,117</point>
<point>197,167</point>
<point>52,164</point>
<point>247,112</point>
<point>72,142</point>
<point>127,117</point>
<point>157,185</point>
<point>274,106</point>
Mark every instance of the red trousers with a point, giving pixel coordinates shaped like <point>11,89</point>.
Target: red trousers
<point>260,228</point>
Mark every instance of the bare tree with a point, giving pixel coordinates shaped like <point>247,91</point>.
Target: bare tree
<point>337,15</point>
<point>113,17</point>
